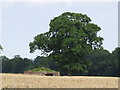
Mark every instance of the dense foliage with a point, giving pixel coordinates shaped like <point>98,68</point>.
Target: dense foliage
<point>104,63</point>
<point>16,65</point>
<point>70,38</point>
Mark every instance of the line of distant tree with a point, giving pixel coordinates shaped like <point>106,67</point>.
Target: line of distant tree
<point>103,63</point>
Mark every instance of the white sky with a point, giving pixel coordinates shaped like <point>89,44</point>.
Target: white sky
<point>21,21</point>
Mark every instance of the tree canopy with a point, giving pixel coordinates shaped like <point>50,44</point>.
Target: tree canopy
<point>70,38</point>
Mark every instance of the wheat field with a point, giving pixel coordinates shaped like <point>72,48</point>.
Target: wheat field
<point>35,81</point>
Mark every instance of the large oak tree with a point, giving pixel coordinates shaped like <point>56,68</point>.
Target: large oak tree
<point>70,38</point>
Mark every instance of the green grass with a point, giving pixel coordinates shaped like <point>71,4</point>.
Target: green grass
<point>42,69</point>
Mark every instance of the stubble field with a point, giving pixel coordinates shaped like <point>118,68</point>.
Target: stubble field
<point>35,81</point>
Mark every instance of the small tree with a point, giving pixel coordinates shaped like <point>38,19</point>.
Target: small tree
<point>1,47</point>
<point>70,38</point>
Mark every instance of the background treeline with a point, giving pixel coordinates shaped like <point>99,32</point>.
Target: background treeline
<point>103,63</point>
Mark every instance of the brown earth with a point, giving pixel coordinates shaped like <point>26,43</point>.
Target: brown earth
<point>35,81</point>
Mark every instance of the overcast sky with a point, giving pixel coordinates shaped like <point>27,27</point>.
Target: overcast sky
<point>21,21</point>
